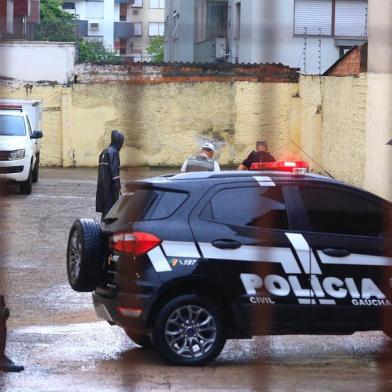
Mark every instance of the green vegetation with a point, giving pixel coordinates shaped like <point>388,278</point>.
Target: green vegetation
<point>95,52</point>
<point>55,24</point>
<point>60,26</point>
<point>155,49</point>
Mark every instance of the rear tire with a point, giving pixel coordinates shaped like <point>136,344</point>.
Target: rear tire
<point>189,331</point>
<point>141,340</point>
<point>27,186</point>
<point>84,255</point>
<point>36,170</point>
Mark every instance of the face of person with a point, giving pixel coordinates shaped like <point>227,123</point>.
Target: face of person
<point>261,147</point>
<point>208,152</point>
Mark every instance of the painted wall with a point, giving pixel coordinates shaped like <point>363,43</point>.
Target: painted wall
<point>333,125</point>
<point>379,98</point>
<point>321,119</point>
<point>37,61</point>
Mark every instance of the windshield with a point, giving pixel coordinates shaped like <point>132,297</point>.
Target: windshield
<point>12,125</point>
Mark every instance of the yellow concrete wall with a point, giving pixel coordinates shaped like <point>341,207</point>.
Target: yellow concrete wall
<point>264,111</point>
<point>333,118</point>
<point>321,119</point>
<point>378,175</point>
<point>164,123</point>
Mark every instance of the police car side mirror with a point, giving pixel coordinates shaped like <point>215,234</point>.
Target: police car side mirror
<point>37,134</point>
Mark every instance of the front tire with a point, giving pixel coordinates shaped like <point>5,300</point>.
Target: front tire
<point>26,187</point>
<point>36,170</point>
<point>84,256</point>
<point>189,331</point>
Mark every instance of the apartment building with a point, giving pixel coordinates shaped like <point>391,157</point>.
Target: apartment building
<point>308,34</point>
<point>125,26</point>
<point>18,18</point>
<point>148,17</point>
<point>179,34</point>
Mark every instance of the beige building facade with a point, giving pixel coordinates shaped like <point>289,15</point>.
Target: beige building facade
<point>148,18</point>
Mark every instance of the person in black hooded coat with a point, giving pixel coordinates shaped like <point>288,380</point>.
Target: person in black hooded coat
<point>109,185</point>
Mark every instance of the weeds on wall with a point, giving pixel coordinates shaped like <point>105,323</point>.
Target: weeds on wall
<point>96,53</point>
<point>155,49</point>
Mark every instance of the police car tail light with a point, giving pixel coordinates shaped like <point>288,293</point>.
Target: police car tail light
<point>134,243</point>
<point>298,167</point>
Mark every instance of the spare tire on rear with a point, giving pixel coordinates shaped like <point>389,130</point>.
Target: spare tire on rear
<point>84,255</point>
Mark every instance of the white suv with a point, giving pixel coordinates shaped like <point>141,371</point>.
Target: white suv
<point>19,147</point>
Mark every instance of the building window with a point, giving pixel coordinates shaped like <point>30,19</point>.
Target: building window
<point>351,18</point>
<point>216,20</point>
<point>68,6</point>
<point>313,17</point>
<point>137,3</point>
<point>157,3</point>
<point>123,12</point>
<point>210,20</point>
<point>138,29</point>
<point>123,46</point>
<point>156,28</point>
<point>94,10</point>
<point>331,17</point>
<point>201,22</point>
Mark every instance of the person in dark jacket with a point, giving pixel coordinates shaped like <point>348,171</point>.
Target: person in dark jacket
<point>6,365</point>
<point>109,185</point>
<point>260,155</point>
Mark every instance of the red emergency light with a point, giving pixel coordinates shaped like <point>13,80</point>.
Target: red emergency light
<point>284,166</point>
<point>10,107</point>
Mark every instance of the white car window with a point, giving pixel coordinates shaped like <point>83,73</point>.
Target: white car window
<point>12,125</point>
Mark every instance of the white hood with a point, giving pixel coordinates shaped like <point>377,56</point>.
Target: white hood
<point>10,143</point>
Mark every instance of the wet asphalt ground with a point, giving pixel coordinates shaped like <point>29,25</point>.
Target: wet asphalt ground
<point>54,332</point>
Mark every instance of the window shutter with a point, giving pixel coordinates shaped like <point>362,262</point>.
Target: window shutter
<point>351,18</point>
<point>313,15</point>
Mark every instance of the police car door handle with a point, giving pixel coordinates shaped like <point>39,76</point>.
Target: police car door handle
<point>226,244</point>
<point>336,252</point>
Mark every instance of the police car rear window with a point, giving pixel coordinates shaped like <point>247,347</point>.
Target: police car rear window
<point>132,206</point>
<point>142,204</point>
<point>261,207</point>
<point>168,204</point>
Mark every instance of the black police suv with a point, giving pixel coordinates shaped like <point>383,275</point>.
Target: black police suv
<point>183,263</point>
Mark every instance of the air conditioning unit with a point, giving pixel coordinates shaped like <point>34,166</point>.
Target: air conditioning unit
<point>135,12</point>
<point>94,26</point>
<point>220,47</point>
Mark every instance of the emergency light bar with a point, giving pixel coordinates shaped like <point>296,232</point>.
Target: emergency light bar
<point>10,107</point>
<point>297,167</point>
